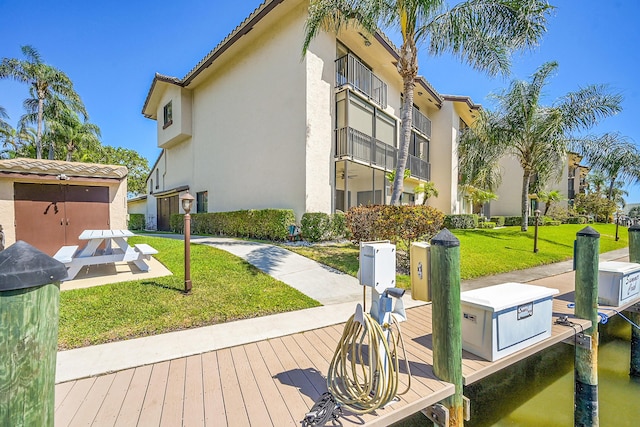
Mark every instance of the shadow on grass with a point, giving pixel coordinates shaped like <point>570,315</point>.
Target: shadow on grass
<point>162,286</point>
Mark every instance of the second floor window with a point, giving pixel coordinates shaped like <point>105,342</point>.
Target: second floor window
<point>202,202</point>
<point>168,114</point>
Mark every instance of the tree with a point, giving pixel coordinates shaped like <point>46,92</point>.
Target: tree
<point>137,165</point>
<point>44,80</point>
<point>427,189</point>
<point>482,33</point>
<point>549,198</point>
<point>78,134</point>
<point>634,212</point>
<point>539,136</point>
<point>479,198</point>
<point>614,159</point>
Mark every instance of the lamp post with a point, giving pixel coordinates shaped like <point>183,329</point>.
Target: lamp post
<point>187,201</point>
<point>535,233</point>
<point>617,224</point>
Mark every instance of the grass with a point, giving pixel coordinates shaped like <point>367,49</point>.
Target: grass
<point>225,288</point>
<point>487,252</point>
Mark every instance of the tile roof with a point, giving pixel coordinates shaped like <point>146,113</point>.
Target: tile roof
<point>56,167</point>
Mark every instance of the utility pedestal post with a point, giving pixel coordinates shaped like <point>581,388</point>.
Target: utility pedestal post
<point>586,359</point>
<point>29,296</point>
<point>634,256</point>
<point>446,323</point>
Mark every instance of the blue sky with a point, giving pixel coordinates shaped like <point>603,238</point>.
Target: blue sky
<point>111,50</point>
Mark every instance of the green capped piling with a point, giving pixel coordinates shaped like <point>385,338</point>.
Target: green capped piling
<point>634,316</point>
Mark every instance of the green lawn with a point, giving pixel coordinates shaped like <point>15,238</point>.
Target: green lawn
<point>487,252</point>
<point>225,288</point>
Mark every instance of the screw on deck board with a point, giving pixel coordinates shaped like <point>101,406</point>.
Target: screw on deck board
<point>447,328</point>
<point>586,295</point>
<point>634,256</point>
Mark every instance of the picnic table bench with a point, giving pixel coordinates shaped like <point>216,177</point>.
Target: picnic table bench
<point>75,258</point>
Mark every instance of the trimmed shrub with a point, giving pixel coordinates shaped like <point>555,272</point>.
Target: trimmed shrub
<point>487,224</point>
<point>316,226</point>
<point>339,229</point>
<point>461,221</point>
<point>553,222</point>
<point>136,221</point>
<point>499,220</point>
<point>576,220</point>
<point>267,224</point>
<point>394,223</point>
<point>511,221</point>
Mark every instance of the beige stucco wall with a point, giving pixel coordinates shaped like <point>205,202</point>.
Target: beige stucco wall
<point>444,159</point>
<point>7,213</point>
<point>250,125</point>
<point>180,129</point>
<point>137,207</point>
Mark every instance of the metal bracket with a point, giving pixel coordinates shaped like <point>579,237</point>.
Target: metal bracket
<point>466,408</point>
<point>581,340</point>
<point>634,308</point>
<point>438,414</point>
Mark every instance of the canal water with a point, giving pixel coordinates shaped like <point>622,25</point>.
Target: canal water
<point>539,391</point>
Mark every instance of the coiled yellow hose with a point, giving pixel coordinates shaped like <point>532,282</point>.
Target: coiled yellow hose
<point>357,376</point>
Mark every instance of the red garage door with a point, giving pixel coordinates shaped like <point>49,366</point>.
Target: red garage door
<point>49,216</point>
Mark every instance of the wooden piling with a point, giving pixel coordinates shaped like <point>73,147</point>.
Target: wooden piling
<point>634,256</point>
<point>446,319</point>
<point>586,360</point>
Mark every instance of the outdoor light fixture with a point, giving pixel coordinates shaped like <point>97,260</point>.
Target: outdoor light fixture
<point>187,202</point>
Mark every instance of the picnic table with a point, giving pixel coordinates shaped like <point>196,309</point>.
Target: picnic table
<point>116,249</point>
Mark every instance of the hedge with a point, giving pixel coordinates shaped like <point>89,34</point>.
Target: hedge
<point>487,224</point>
<point>394,223</point>
<point>136,221</point>
<point>267,224</point>
<point>499,220</point>
<point>461,221</point>
<point>320,226</point>
<point>576,220</point>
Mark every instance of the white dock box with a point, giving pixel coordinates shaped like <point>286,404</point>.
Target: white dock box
<point>618,283</point>
<point>502,319</point>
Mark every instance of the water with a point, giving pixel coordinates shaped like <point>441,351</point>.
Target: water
<point>540,391</point>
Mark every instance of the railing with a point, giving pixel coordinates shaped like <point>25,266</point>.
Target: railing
<point>419,168</point>
<point>420,122</point>
<point>360,146</point>
<point>353,72</point>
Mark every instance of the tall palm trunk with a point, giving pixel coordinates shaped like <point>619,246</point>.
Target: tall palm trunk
<point>526,179</point>
<point>408,69</point>
<point>39,126</point>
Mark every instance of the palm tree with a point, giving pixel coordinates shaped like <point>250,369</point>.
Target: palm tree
<point>615,159</point>
<point>549,198</point>
<point>539,136</point>
<point>76,135</point>
<point>427,189</point>
<point>44,81</point>
<point>479,198</point>
<point>482,33</point>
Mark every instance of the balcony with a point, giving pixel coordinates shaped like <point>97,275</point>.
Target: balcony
<point>350,71</point>
<point>419,168</point>
<point>361,147</point>
<point>421,123</point>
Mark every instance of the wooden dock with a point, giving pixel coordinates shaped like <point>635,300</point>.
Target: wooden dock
<point>276,381</point>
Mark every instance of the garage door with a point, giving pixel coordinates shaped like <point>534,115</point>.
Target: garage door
<point>49,216</point>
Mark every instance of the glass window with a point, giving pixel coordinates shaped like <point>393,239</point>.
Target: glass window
<point>168,114</point>
<point>202,202</point>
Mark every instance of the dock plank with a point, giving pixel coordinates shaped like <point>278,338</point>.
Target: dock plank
<point>214,413</point>
<point>151,413</point>
<point>174,394</point>
<point>234,405</point>
<point>253,400</point>
<point>94,398</point>
<point>134,398</point>
<point>113,400</point>
<point>73,401</point>
<point>193,412</point>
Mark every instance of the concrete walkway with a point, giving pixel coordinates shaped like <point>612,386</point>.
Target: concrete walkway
<point>337,291</point>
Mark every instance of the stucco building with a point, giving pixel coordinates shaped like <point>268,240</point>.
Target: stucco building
<point>257,125</point>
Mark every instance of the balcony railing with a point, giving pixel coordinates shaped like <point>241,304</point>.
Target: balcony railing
<point>420,122</point>
<point>362,147</point>
<point>350,71</point>
<point>419,168</point>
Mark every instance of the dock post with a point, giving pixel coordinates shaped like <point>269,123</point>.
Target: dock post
<point>446,323</point>
<point>586,359</point>
<point>634,256</point>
